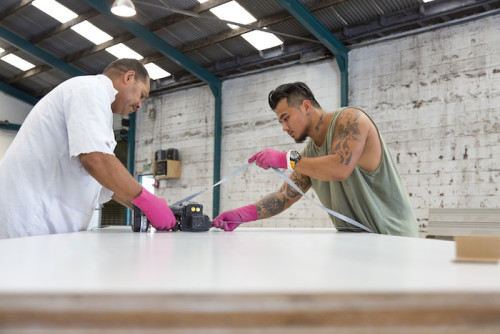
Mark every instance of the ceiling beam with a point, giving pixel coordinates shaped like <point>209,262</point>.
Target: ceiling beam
<point>35,51</point>
<point>317,29</point>
<point>17,93</point>
<point>14,8</point>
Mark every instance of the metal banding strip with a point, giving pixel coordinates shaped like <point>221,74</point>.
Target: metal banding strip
<point>230,176</point>
<point>334,213</point>
<point>287,180</point>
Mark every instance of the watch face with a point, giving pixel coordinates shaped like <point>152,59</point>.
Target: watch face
<point>294,155</point>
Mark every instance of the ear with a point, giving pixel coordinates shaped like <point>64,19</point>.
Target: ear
<point>307,106</point>
<point>129,76</point>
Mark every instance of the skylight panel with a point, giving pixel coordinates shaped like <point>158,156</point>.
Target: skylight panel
<point>232,11</point>
<point>123,51</point>
<point>261,40</point>
<point>18,62</point>
<point>155,71</point>
<point>91,32</point>
<point>55,9</point>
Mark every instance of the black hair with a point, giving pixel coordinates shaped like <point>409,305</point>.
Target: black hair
<point>295,93</point>
<point>120,66</point>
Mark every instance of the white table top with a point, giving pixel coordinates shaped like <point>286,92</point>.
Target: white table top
<point>247,260</point>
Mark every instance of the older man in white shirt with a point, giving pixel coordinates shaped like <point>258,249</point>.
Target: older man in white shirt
<point>61,163</point>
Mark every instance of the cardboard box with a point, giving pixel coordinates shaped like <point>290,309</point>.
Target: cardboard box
<point>477,249</point>
<point>167,169</point>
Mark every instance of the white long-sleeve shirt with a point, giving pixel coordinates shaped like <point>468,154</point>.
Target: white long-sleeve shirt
<point>44,188</point>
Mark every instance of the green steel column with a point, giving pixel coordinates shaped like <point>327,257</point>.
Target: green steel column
<point>131,144</point>
<point>344,84</point>
<point>130,154</point>
<point>217,91</point>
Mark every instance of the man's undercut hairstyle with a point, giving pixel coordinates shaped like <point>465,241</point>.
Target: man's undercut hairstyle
<point>294,93</point>
<point>120,66</point>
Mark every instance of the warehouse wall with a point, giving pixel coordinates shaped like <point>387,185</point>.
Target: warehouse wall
<point>182,120</point>
<point>434,97</point>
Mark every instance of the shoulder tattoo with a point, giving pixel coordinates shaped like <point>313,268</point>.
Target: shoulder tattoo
<point>347,131</point>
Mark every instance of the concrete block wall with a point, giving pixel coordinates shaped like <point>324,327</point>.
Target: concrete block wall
<point>183,120</point>
<point>249,125</point>
<point>435,97</point>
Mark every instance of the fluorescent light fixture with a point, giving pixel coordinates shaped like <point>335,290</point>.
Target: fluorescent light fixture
<point>2,50</point>
<point>123,8</point>
<point>428,0</point>
<point>123,51</point>
<point>55,9</point>
<point>232,11</point>
<point>18,62</point>
<point>155,71</point>
<point>202,1</point>
<point>262,40</point>
<point>91,32</point>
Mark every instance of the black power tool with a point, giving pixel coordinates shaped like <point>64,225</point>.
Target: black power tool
<point>189,217</point>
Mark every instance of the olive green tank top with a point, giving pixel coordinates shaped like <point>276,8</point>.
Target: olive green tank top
<point>378,199</point>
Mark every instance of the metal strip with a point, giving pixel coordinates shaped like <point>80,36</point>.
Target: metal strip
<point>230,176</point>
<point>334,213</point>
<point>287,180</point>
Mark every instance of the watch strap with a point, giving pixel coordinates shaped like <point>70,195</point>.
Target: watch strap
<point>288,164</point>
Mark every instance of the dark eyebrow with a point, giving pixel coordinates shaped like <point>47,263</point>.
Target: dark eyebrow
<point>282,115</point>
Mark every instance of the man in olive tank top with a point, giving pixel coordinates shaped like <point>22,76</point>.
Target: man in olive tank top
<point>346,161</point>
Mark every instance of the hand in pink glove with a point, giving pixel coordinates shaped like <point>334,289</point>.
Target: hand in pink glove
<point>155,209</point>
<point>229,220</point>
<point>270,158</point>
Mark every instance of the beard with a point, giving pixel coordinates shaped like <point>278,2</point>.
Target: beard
<point>301,139</point>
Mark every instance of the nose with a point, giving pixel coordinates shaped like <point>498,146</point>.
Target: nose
<point>139,105</point>
<point>285,127</point>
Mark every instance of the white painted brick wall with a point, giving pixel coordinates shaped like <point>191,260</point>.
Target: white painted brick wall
<point>435,97</point>
<point>185,121</point>
<point>249,125</point>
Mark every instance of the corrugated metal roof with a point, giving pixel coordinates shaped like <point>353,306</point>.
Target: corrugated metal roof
<point>207,42</point>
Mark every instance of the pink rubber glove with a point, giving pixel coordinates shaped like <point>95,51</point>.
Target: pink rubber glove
<point>270,158</point>
<point>155,209</point>
<point>229,220</point>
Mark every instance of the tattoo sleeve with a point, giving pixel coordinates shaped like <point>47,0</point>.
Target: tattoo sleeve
<point>347,132</point>
<point>277,202</point>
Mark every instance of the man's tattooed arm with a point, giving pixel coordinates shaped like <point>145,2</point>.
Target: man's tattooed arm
<point>282,199</point>
<point>347,131</point>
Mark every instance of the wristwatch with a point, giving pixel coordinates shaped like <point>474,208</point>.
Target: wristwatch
<point>293,158</point>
